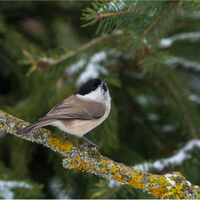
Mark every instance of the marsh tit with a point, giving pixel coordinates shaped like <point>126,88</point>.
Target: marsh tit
<point>79,113</point>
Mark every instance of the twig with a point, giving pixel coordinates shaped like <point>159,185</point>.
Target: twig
<point>157,19</point>
<point>169,186</point>
<point>82,48</point>
<point>101,15</point>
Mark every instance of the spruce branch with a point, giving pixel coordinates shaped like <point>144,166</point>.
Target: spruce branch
<point>157,19</point>
<point>78,50</point>
<point>46,62</point>
<point>90,160</point>
<point>101,15</point>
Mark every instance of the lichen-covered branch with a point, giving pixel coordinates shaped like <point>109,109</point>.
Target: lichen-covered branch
<point>90,160</point>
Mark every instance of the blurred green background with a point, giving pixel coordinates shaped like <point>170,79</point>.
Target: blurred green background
<point>150,58</point>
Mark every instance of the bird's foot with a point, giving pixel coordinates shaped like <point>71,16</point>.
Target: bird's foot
<point>65,137</point>
<point>89,144</point>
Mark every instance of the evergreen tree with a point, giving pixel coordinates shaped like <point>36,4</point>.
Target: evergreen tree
<point>147,51</point>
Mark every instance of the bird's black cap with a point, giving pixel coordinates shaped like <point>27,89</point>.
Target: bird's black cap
<point>91,85</point>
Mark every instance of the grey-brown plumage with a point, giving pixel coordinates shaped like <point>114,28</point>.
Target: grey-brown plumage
<point>71,108</point>
<point>79,113</point>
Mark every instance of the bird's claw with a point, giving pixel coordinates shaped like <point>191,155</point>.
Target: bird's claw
<point>89,144</point>
<point>65,137</point>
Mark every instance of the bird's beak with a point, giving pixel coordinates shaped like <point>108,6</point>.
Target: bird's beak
<point>103,81</point>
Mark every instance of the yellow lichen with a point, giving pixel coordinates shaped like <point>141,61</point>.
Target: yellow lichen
<point>136,180</point>
<point>136,176</point>
<point>157,192</point>
<point>198,197</point>
<point>113,169</point>
<point>55,142</point>
<point>92,168</point>
<point>77,157</point>
<point>169,193</point>
<point>1,125</point>
<point>104,162</point>
<point>179,190</point>
<point>5,128</point>
<point>103,170</point>
<point>136,184</point>
<point>163,184</point>
<point>76,162</point>
<point>118,177</point>
<point>162,190</point>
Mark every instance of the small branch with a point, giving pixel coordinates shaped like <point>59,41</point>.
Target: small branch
<point>90,160</point>
<point>82,48</point>
<point>157,19</point>
<point>101,15</point>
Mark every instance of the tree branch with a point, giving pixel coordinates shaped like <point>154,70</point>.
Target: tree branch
<point>82,48</point>
<point>157,19</point>
<point>101,15</point>
<point>45,62</point>
<point>90,160</point>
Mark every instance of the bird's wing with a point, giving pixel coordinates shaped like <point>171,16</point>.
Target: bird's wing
<point>76,108</point>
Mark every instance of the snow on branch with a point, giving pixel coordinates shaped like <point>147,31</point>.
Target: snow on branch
<point>191,36</point>
<point>6,188</point>
<point>175,160</point>
<point>168,186</point>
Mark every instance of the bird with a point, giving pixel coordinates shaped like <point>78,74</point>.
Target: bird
<point>79,113</point>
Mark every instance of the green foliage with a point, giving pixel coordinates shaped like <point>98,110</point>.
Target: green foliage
<point>13,187</point>
<point>134,18</point>
<point>152,65</point>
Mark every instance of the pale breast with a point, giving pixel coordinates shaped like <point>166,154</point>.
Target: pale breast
<point>81,127</point>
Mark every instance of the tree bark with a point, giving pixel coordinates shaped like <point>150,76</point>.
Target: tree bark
<point>89,159</point>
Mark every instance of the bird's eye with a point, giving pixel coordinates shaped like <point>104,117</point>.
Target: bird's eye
<point>94,88</point>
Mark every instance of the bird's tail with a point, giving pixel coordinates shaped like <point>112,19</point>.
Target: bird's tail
<point>40,123</point>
